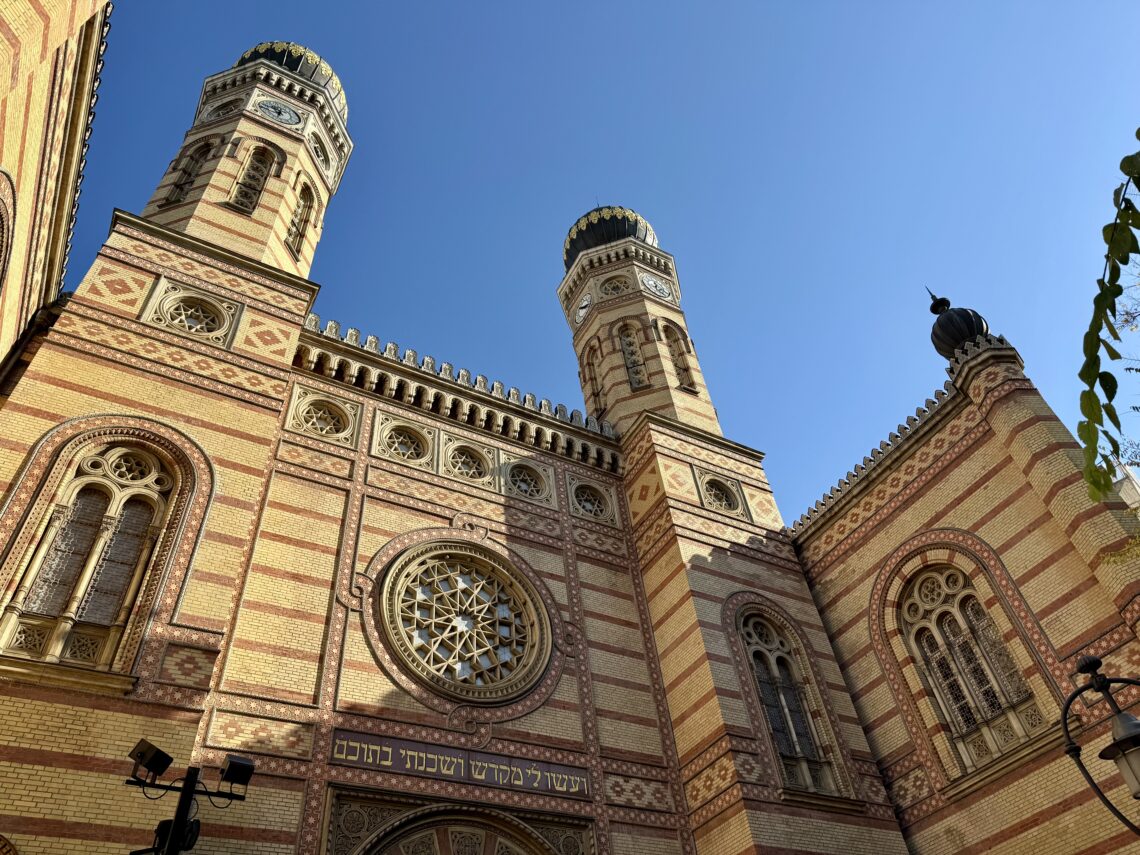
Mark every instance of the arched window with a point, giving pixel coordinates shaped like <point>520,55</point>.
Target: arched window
<point>82,573</point>
<point>593,387</point>
<point>631,352</point>
<point>247,191</point>
<point>978,686</point>
<point>680,358</point>
<point>7,221</point>
<point>299,225</point>
<point>191,166</point>
<point>781,694</point>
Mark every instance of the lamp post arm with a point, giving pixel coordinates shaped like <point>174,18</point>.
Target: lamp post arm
<point>1074,750</point>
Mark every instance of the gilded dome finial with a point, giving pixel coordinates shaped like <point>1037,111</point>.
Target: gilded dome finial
<point>605,224</point>
<point>305,64</point>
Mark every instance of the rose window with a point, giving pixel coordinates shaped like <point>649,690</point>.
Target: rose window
<point>719,496</point>
<point>405,444</point>
<point>195,316</point>
<point>590,501</point>
<point>526,482</point>
<point>323,419</point>
<point>466,462</point>
<point>131,467</point>
<point>465,622</point>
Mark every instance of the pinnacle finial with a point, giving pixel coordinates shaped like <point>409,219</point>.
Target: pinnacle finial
<point>938,305</point>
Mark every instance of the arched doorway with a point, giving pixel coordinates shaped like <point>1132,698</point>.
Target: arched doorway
<point>455,830</point>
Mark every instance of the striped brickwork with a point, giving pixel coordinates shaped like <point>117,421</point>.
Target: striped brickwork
<point>260,640</point>
<point>988,482</point>
<point>598,337</point>
<point>701,569</point>
<point>206,211</point>
<point>49,59</point>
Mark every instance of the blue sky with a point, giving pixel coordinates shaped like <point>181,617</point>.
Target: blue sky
<point>811,165</point>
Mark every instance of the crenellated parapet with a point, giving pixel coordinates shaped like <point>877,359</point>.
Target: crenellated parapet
<point>438,387</point>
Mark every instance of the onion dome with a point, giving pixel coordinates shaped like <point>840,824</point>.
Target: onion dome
<point>605,225</point>
<point>954,327</point>
<point>303,63</point>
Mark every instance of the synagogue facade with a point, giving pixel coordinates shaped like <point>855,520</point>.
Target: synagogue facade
<point>446,617</point>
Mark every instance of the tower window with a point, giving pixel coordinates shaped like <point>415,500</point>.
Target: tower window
<point>299,224</point>
<point>785,706</point>
<point>247,191</point>
<point>680,358</point>
<point>631,352</point>
<point>977,685</point>
<point>84,572</point>
<point>191,166</point>
<point>596,396</point>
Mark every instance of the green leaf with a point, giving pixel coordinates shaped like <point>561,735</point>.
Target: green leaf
<point>1113,444</point>
<point>1089,370</point>
<point>1086,432</point>
<point>1090,458</point>
<point>1113,273</point>
<point>1108,383</point>
<point>1090,407</point>
<point>1130,165</point>
<point>1118,193</point>
<point>1091,343</point>
<point>1110,326</point>
<point>1112,352</point>
<point>1110,411</point>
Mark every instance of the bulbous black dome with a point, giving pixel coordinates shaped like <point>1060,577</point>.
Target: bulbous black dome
<point>605,225</point>
<point>305,64</point>
<point>954,327</point>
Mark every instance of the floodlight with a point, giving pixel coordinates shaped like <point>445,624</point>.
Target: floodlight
<point>237,771</point>
<point>150,757</point>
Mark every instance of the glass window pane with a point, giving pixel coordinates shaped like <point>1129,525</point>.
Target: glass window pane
<point>64,562</point>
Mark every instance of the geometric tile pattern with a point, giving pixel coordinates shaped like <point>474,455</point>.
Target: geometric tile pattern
<point>268,736</point>
<point>639,792</point>
<point>187,666</point>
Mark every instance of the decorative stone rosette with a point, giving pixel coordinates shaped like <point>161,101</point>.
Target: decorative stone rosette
<point>188,311</point>
<point>721,494</point>
<point>323,416</point>
<point>591,500</point>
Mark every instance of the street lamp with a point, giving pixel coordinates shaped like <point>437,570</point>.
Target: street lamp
<point>1124,749</point>
<point>173,836</point>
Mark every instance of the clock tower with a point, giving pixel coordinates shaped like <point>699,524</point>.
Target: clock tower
<point>264,155</point>
<point>622,299</point>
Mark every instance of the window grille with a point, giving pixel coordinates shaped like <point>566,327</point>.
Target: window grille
<point>631,352</point>
<point>785,706</point>
<point>191,167</point>
<point>247,191</point>
<point>679,357</point>
<point>79,579</point>
<point>960,652</point>
<point>299,224</point>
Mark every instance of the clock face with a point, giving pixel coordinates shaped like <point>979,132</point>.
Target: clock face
<point>279,112</point>
<point>656,286</point>
<point>224,109</point>
<point>583,308</point>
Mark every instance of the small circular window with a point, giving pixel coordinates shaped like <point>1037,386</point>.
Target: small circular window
<point>195,316</point>
<point>615,286</point>
<point>719,496</point>
<point>526,481</point>
<point>322,418</point>
<point>405,444</point>
<point>465,622</point>
<point>467,462</point>
<point>590,501</point>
